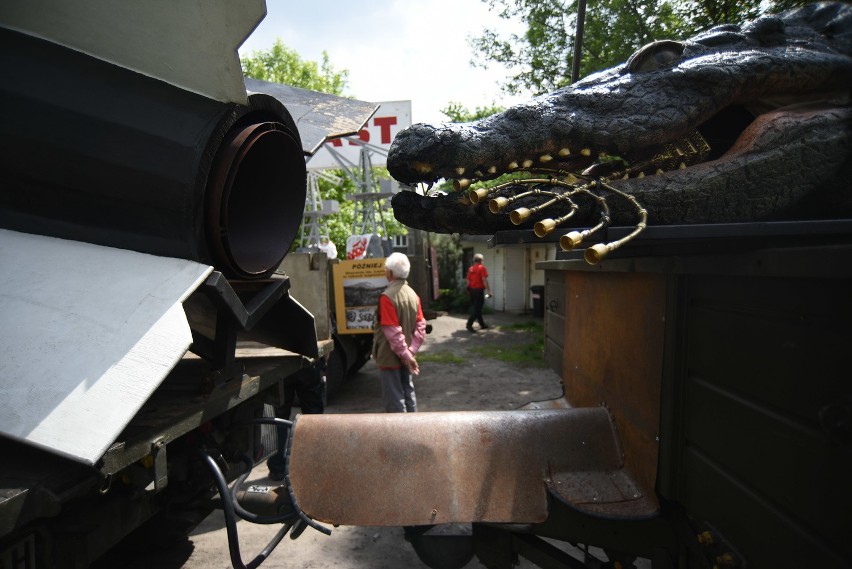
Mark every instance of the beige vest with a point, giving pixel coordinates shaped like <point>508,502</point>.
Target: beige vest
<point>405,301</point>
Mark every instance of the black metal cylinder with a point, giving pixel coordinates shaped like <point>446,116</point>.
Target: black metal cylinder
<point>95,152</point>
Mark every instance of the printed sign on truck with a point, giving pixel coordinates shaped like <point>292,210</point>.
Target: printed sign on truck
<point>357,287</point>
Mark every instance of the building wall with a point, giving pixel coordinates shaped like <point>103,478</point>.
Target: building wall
<point>512,270</point>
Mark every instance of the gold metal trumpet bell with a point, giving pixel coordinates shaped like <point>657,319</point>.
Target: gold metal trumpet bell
<point>570,240</point>
<point>461,184</point>
<point>544,227</point>
<point>596,253</point>
<point>498,204</point>
<point>475,196</point>
<point>519,215</point>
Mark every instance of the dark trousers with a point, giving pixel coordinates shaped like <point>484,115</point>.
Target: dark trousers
<point>477,301</point>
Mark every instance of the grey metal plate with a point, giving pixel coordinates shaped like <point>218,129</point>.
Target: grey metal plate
<point>87,334</point>
<point>319,116</point>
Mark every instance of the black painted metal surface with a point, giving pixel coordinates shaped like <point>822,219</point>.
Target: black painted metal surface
<point>95,152</point>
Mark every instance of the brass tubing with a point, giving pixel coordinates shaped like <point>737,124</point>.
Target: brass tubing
<point>522,213</point>
<point>497,205</point>
<point>596,253</point>
<point>571,239</point>
<point>546,226</point>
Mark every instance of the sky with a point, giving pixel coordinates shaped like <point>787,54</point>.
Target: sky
<point>394,50</point>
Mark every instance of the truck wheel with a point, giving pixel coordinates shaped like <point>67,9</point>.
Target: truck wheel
<point>359,363</point>
<point>335,372</point>
<point>363,351</point>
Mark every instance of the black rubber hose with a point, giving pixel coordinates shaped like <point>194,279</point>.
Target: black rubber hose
<point>251,516</point>
<point>276,421</point>
<point>231,522</point>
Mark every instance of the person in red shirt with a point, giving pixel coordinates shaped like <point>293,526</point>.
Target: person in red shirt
<point>398,333</point>
<point>477,286</point>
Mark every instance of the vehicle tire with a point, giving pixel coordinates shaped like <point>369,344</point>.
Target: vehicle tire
<point>335,372</point>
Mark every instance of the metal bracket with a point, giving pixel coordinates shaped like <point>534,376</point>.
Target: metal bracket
<point>161,469</point>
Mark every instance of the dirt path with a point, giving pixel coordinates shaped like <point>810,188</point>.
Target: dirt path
<point>474,382</point>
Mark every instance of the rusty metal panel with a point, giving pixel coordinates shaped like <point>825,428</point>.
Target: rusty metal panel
<point>431,468</point>
<point>614,341</point>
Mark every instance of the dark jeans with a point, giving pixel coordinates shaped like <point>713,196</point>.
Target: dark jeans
<point>477,301</point>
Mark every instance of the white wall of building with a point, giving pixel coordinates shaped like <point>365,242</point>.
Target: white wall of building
<point>512,272</point>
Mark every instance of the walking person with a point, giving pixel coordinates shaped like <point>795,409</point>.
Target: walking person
<point>398,333</point>
<point>477,286</point>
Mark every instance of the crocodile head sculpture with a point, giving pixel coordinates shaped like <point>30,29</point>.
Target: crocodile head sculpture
<point>739,123</point>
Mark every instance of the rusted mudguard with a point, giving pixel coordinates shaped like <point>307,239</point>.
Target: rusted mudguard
<point>477,466</point>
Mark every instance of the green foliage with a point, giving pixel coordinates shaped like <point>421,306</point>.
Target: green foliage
<point>525,327</point>
<point>340,225</point>
<point>448,250</point>
<point>524,353</point>
<point>540,59</point>
<point>280,64</point>
<point>457,112</point>
<point>453,301</point>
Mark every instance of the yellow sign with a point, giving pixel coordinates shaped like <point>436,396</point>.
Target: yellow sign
<point>357,287</point>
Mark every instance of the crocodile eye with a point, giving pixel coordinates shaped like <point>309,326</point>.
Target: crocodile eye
<point>655,56</point>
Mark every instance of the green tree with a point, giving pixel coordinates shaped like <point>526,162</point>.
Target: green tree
<point>540,59</point>
<point>281,64</point>
<point>339,226</point>
<point>457,112</point>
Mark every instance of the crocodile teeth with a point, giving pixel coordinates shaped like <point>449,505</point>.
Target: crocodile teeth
<point>527,163</point>
<point>422,167</point>
<point>478,173</point>
<point>586,152</point>
<point>492,169</point>
<point>563,152</point>
<point>512,165</point>
<point>459,171</point>
<point>545,158</point>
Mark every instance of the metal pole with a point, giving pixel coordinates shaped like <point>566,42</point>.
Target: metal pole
<point>578,40</point>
